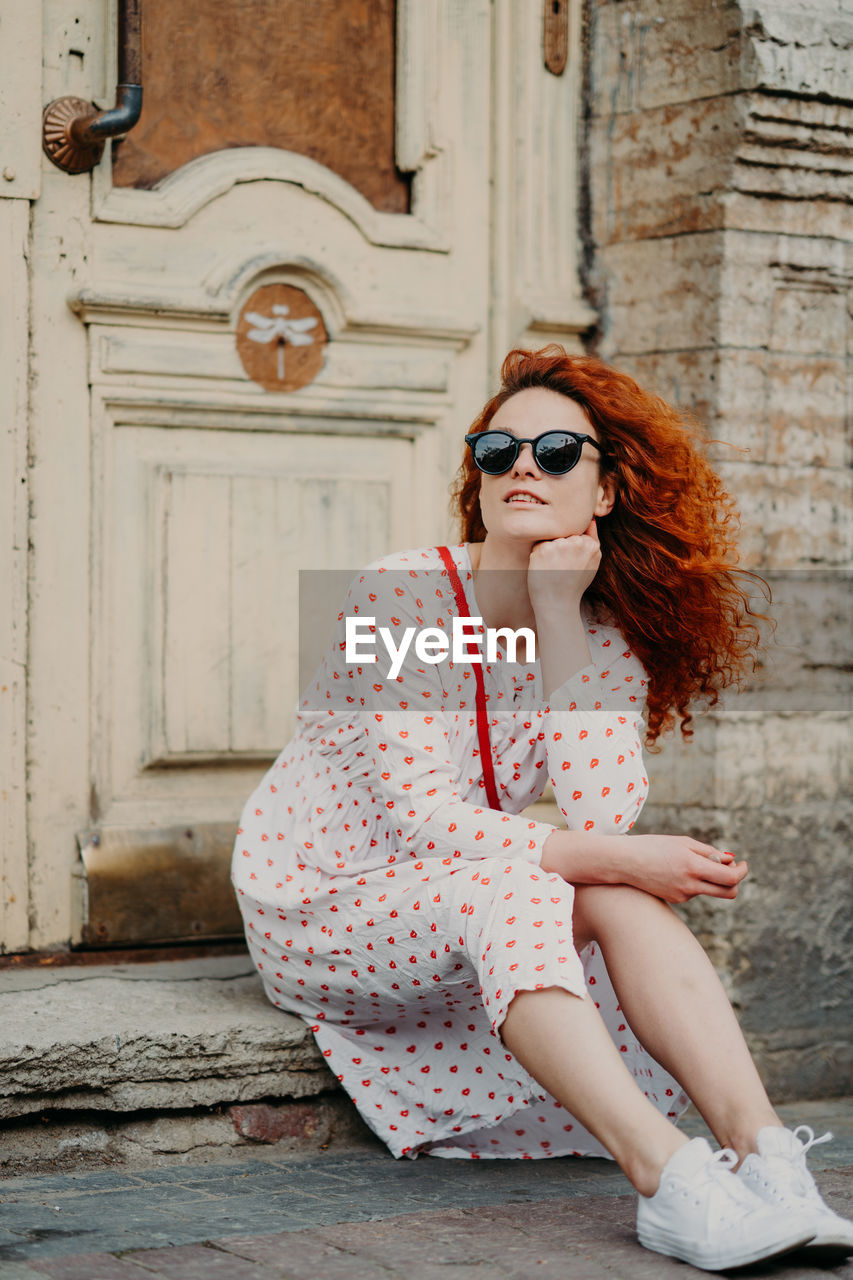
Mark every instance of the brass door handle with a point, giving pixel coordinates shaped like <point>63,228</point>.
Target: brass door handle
<point>75,131</point>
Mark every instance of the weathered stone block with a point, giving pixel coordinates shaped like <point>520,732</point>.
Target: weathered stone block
<point>744,760</point>
<point>805,662</point>
<point>806,759</point>
<point>803,49</point>
<point>792,942</point>
<point>782,407</point>
<point>661,294</point>
<point>770,169</point>
<point>679,772</point>
<point>747,210</point>
<point>78,1140</point>
<point>787,294</point>
<point>793,517</point>
<point>809,313</point>
<point>721,261</point>
<point>804,142</point>
<point>803,397</point>
<point>166,1036</point>
<point>677,168</point>
<point>740,762</point>
<point>779,760</point>
<point>663,171</point>
<point>650,55</point>
<point>262,1122</point>
<point>688,379</point>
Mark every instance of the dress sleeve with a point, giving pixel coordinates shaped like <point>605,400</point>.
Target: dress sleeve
<point>407,737</point>
<point>593,726</point>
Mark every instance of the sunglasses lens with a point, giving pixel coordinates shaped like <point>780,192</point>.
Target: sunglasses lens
<point>557,452</point>
<point>494,452</point>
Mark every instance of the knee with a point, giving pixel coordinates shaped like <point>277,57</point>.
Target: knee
<point>601,908</point>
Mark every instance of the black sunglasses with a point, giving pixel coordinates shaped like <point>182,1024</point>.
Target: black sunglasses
<point>554,452</point>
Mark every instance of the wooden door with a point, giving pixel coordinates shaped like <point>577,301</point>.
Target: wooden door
<point>344,157</point>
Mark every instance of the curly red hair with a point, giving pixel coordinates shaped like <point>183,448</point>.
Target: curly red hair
<point>667,577</point>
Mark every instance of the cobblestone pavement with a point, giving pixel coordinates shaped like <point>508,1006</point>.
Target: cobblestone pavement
<point>362,1215</point>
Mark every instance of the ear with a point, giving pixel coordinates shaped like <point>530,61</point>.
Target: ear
<point>606,496</point>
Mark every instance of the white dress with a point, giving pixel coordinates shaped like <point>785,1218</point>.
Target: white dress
<point>389,906</point>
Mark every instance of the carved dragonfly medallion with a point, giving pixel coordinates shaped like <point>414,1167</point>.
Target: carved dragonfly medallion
<point>281,338</point>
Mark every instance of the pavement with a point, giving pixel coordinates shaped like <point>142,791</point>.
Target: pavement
<point>362,1215</point>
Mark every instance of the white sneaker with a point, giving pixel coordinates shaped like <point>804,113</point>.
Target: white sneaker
<point>779,1175</point>
<point>703,1214</point>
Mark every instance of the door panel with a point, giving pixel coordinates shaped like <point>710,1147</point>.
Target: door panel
<point>196,669</point>
<point>208,85</point>
<point>209,493</point>
<point>173,500</point>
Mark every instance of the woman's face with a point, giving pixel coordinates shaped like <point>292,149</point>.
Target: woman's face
<point>529,504</point>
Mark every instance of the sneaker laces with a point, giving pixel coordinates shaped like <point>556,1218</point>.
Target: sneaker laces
<point>737,1195</point>
<point>787,1172</point>
<point>812,1140</point>
<point>797,1176</point>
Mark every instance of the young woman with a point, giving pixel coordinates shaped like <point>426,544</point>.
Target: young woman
<point>486,985</point>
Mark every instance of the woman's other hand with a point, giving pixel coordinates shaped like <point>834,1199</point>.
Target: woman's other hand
<point>677,868</point>
<point>674,868</point>
<point>575,559</point>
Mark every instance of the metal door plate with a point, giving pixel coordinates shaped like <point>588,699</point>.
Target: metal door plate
<point>159,884</point>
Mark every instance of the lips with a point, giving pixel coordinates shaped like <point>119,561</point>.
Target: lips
<point>521,497</point>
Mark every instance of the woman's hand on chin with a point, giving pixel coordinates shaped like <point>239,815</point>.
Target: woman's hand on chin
<point>677,868</point>
<point>575,559</point>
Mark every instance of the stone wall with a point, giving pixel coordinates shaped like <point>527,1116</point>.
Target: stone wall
<point>719,253</point>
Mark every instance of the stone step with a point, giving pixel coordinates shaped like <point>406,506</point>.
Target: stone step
<point>131,1062</point>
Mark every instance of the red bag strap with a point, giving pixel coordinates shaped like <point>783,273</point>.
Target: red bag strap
<point>482,717</point>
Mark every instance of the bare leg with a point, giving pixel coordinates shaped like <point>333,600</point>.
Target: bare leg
<point>563,1042</point>
<point>675,1003</point>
